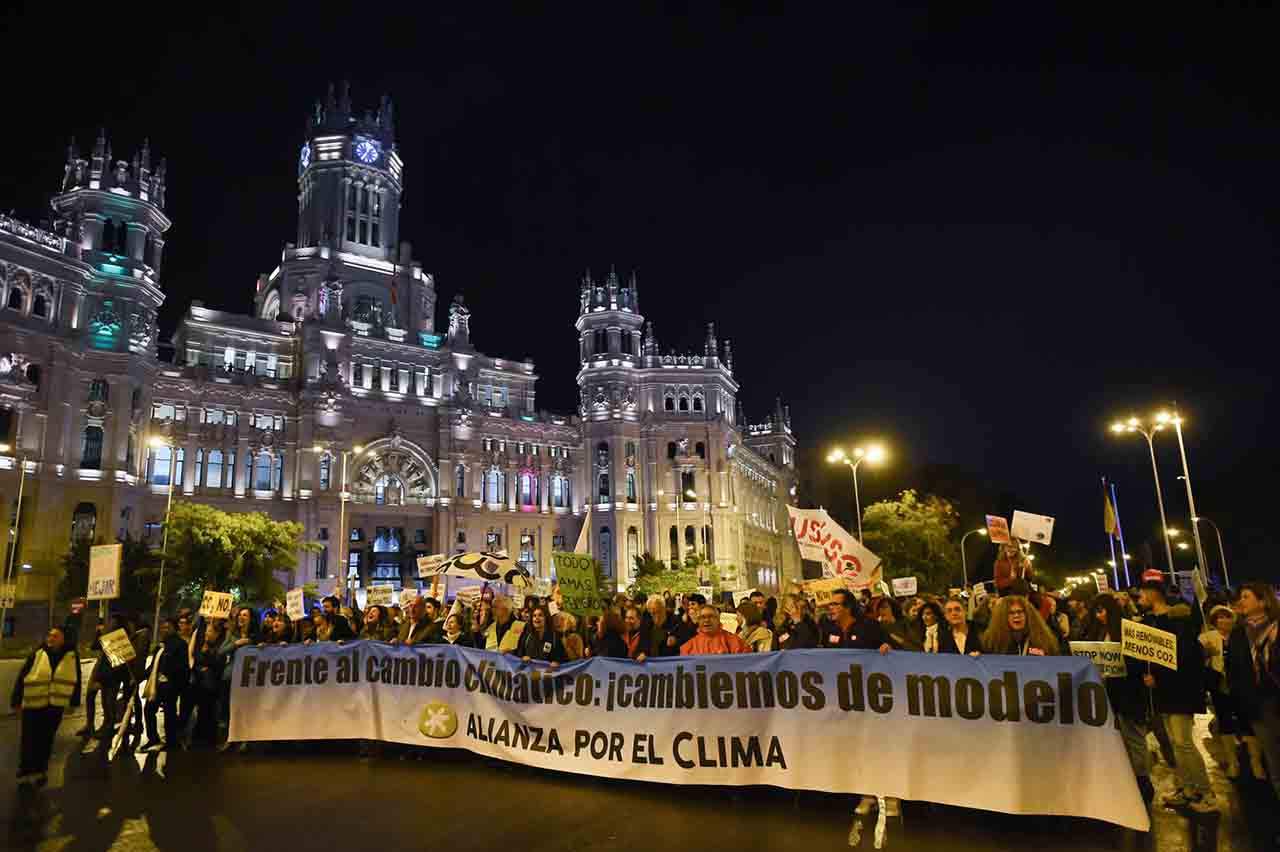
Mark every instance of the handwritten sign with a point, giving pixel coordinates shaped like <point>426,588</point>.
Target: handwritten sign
<point>729,621</point>
<point>295,604</point>
<point>823,591</point>
<point>904,587</point>
<point>1033,528</point>
<point>707,592</point>
<point>431,566</point>
<point>215,605</point>
<point>577,574</point>
<point>1107,656</point>
<point>383,595</point>
<point>104,572</point>
<point>739,597</point>
<point>118,647</point>
<point>1149,643</point>
<point>407,597</point>
<point>997,529</point>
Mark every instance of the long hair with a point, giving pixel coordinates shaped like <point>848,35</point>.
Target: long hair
<point>1108,630</point>
<point>998,637</point>
<point>933,607</point>
<point>1265,593</point>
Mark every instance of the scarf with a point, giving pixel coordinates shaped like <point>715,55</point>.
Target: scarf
<point>931,639</point>
<point>1261,633</point>
<point>452,635</point>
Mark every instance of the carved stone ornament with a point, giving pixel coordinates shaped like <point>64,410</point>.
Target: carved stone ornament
<point>13,368</point>
<point>142,329</point>
<point>97,408</point>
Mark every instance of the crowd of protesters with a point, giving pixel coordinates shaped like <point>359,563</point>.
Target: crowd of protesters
<point>1227,656</point>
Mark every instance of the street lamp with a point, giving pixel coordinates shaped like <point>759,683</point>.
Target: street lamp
<point>1222,554</point>
<point>13,533</point>
<point>157,442</point>
<point>964,568</point>
<point>874,454</point>
<point>344,535</point>
<point>1133,424</point>
<point>1175,418</point>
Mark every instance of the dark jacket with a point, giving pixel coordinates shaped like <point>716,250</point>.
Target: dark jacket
<point>207,675</point>
<point>610,645</point>
<point>425,631</point>
<point>862,633</point>
<point>1249,688</point>
<point>685,630</point>
<point>175,672</point>
<point>798,635</point>
<point>546,647</point>
<point>466,639</point>
<point>900,635</point>
<point>15,698</point>
<point>654,637</point>
<point>339,627</point>
<point>947,640</point>
<point>1180,691</point>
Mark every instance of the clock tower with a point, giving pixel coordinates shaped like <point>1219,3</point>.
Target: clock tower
<point>349,180</point>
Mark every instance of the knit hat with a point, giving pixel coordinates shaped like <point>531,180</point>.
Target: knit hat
<point>1221,608</point>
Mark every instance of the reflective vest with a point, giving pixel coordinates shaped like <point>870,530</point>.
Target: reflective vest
<point>43,686</point>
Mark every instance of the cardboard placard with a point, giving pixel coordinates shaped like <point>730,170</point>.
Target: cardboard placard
<point>104,572</point>
<point>118,647</point>
<point>739,597</point>
<point>904,587</point>
<point>729,621</point>
<point>382,595</point>
<point>997,529</point>
<point>1107,656</point>
<point>1037,529</point>
<point>430,566</point>
<point>295,604</point>
<point>577,574</point>
<point>215,605</point>
<point>822,591</point>
<point>407,597</point>
<point>1149,643</point>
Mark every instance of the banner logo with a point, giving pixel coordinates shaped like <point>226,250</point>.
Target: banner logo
<point>439,721</point>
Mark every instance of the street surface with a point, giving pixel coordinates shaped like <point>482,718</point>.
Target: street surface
<point>321,796</point>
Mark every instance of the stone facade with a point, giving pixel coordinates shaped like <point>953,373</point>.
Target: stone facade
<point>341,379</point>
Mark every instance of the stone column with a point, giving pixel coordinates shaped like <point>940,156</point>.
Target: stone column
<point>242,458</point>
<point>188,462</point>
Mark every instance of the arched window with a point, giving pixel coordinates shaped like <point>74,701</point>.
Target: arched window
<point>262,472</point>
<point>631,486</point>
<point>602,488</point>
<point>213,470</point>
<point>669,403</point>
<point>633,550</point>
<point>675,545</point>
<point>697,403</point>
<point>91,449</point>
<point>326,467</point>
<point>684,402</point>
<point>16,297</point>
<point>528,490</point>
<point>99,391</point>
<point>671,449</point>
<point>688,482</point>
<point>83,522</point>
<point>388,491</point>
<point>40,306</point>
<point>691,538</point>
<point>108,236</point>
<point>700,450</point>
<point>460,481</point>
<point>606,552</point>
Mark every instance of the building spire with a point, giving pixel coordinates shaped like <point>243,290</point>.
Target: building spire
<point>711,348</point>
<point>728,355</point>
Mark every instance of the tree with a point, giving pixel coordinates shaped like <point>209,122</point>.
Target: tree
<point>913,536</point>
<point>238,552</point>
<point>137,586</point>
<point>653,576</point>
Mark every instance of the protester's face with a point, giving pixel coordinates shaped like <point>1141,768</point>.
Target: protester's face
<point>632,620</point>
<point>927,616</point>
<point>885,614</point>
<point>1078,609</point>
<point>165,630</point>
<point>1100,615</point>
<point>372,616</point>
<point>758,600</point>
<point>538,620</point>
<point>328,608</point>
<point>658,610</point>
<point>184,626</point>
<point>55,640</point>
<point>914,607</point>
<point>242,619</point>
<point>452,624</point>
<point>502,610</point>
<point>833,609</point>
<point>954,613</point>
<point>1147,598</point>
<point>431,611</point>
<point>1249,603</point>
<point>1017,617</point>
<point>708,621</point>
<point>1224,623</point>
<point>692,608</point>
<point>416,609</point>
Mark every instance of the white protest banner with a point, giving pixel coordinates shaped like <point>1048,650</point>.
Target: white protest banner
<point>1107,656</point>
<point>295,604</point>
<point>823,540</point>
<point>381,595</point>
<point>104,572</point>
<point>1149,643</point>
<point>430,566</point>
<point>407,597</point>
<point>739,597</point>
<point>1033,528</point>
<point>788,719</point>
<point>215,605</point>
<point>904,587</point>
<point>486,567</point>
<point>118,647</point>
<point>997,529</point>
<point>8,595</point>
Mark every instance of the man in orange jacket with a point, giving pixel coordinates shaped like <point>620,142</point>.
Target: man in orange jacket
<point>711,638</point>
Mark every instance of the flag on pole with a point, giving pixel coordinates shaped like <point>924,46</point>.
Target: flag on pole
<point>1108,514</point>
<point>584,537</point>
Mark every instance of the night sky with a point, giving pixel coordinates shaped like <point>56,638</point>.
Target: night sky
<point>978,236</point>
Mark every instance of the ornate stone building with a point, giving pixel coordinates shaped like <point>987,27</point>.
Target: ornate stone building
<point>340,377</point>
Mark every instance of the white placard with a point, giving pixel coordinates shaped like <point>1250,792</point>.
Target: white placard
<point>739,597</point>
<point>1107,656</point>
<point>904,587</point>
<point>380,596</point>
<point>295,604</point>
<point>118,647</point>
<point>1149,643</point>
<point>729,621</point>
<point>407,597</point>
<point>1037,529</point>
<point>707,592</point>
<point>429,566</point>
<point>215,605</point>
<point>104,572</point>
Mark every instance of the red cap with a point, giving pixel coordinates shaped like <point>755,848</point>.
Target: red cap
<point>1152,575</point>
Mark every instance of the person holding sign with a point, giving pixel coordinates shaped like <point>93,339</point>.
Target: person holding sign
<point>47,685</point>
<point>1253,674</point>
<point>1127,696</point>
<point>1178,694</point>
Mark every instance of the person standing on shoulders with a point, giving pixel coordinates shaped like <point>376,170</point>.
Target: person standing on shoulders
<point>47,685</point>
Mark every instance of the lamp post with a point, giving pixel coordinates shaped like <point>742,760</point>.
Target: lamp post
<point>964,568</point>
<point>693,495</point>
<point>1222,554</point>
<point>1175,418</point>
<point>157,442</point>
<point>344,535</point>
<point>13,534</point>
<point>874,454</point>
<point>1133,424</point>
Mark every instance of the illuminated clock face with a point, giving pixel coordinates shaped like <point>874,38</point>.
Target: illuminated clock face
<point>304,157</point>
<point>367,150</point>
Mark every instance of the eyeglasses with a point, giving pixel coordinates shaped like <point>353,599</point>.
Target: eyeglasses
<point>1017,612</point>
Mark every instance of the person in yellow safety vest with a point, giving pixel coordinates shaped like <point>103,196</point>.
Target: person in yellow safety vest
<point>48,684</point>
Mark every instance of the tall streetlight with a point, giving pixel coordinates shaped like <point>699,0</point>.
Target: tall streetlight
<point>874,454</point>
<point>1133,424</point>
<point>344,535</point>
<point>964,568</point>
<point>13,534</point>
<point>157,442</point>
<point>1164,417</point>
<point>1222,554</point>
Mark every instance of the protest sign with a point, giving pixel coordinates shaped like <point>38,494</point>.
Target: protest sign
<point>729,621</point>
<point>1034,528</point>
<point>429,566</point>
<point>118,647</point>
<point>739,597</point>
<point>577,575</point>
<point>380,595</point>
<point>707,592</point>
<point>215,605</point>
<point>904,587</point>
<point>997,529</point>
<point>821,539</point>
<point>407,597</point>
<point>788,719</point>
<point>8,595</point>
<point>1149,643</point>
<point>822,590</point>
<point>104,572</point>
<point>1104,585</point>
<point>1202,594</point>
<point>1107,656</point>
<point>295,604</point>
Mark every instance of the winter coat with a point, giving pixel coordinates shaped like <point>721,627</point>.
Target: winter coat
<point>723,642</point>
<point>424,632</point>
<point>546,647</point>
<point>466,639</point>
<point>1180,691</point>
<point>900,636</point>
<point>863,633</point>
<point>947,640</point>
<point>653,638</point>
<point>609,645</point>
<point>383,631</point>
<point>175,671</point>
<point>797,635</point>
<point>1249,688</point>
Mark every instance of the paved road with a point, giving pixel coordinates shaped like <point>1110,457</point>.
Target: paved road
<point>319,798</point>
